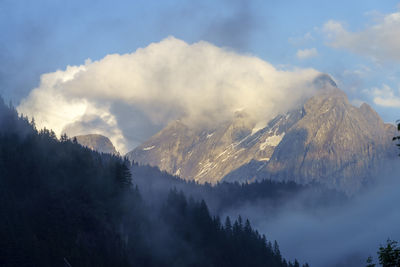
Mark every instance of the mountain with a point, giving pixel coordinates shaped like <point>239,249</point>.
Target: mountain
<point>326,140</point>
<point>97,142</point>
<point>334,142</point>
<point>207,156</point>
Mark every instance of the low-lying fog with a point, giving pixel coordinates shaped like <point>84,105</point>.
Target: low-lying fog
<point>341,235</point>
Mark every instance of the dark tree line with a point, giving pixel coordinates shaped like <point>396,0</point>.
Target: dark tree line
<point>64,205</point>
<point>223,196</point>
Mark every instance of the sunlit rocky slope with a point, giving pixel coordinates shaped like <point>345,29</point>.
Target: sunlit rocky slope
<point>326,140</point>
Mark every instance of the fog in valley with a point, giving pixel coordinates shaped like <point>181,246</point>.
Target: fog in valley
<point>338,234</point>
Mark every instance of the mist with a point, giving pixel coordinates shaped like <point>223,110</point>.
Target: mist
<point>130,97</point>
<point>341,234</point>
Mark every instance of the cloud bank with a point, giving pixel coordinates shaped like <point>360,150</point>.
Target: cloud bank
<point>380,42</point>
<point>340,235</point>
<point>130,97</point>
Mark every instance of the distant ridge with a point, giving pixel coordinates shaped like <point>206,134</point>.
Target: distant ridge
<point>97,142</point>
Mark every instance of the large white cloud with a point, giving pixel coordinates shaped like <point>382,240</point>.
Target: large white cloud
<point>380,41</point>
<point>129,97</point>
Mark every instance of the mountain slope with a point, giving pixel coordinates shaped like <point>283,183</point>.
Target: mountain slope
<point>334,143</point>
<point>209,155</point>
<point>97,142</point>
<point>326,140</point>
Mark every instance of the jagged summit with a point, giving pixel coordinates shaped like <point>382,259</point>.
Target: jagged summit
<point>326,140</point>
<point>97,142</point>
<point>324,80</point>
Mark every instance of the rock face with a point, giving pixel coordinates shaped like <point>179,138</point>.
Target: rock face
<point>327,140</point>
<point>334,143</point>
<point>207,156</point>
<point>97,142</point>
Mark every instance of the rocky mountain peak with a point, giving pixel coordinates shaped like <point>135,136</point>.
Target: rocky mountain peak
<point>326,140</point>
<point>324,80</point>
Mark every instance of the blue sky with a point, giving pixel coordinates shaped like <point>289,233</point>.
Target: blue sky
<point>341,38</point>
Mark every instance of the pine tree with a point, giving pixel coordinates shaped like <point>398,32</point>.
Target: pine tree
<point>240,222</point>
<point>217,222</point>
<point>122,174</point>
<point>247,227</point>
<point>228,225</point>
<point>276,250</point>
<point>390,254</point>
<point>64,138</point>
<point>33,123</point>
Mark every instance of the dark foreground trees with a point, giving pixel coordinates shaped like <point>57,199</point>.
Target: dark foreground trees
<point>388,255</point>
<point>397,137</point>
<point>65,205</point>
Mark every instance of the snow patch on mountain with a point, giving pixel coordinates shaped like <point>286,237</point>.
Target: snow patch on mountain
<point>273,140</point>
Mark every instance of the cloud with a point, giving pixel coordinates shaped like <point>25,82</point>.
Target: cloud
<point>380,41</point>
<point>385,96</point>
<point>307,37</point>
<point>130,97</point>
<point>307,53</point>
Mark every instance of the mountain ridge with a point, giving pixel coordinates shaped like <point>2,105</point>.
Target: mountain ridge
<point>326,140</point>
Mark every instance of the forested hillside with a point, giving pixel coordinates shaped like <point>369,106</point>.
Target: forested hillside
<point>225,196</point>
<point>64,205</point>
